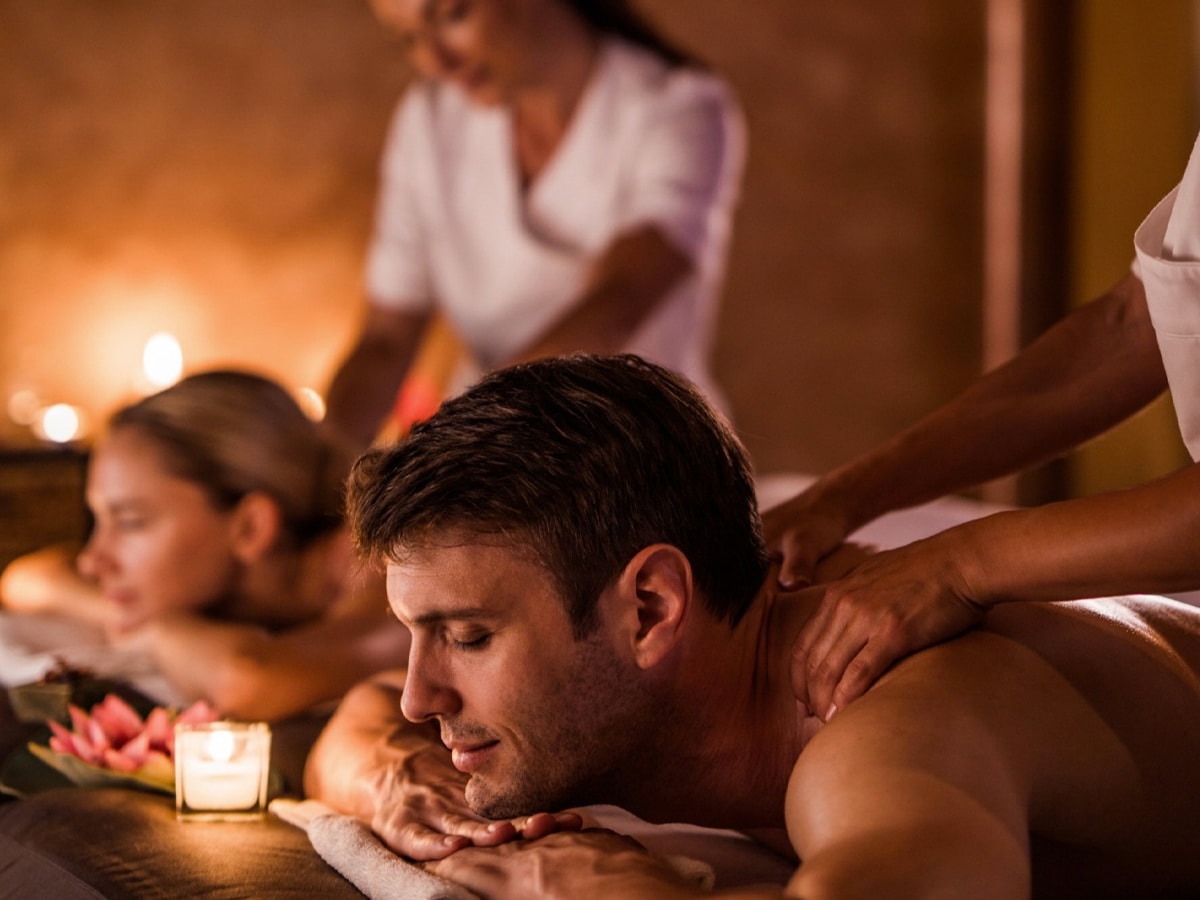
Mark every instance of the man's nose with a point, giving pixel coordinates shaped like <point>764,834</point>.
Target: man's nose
<point>427,693</point>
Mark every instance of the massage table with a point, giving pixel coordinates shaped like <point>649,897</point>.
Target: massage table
<point>66,842</point>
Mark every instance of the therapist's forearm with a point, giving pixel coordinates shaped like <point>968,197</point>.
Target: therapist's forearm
<point>626,284</point>
<point>1090,371</point>
<point>363,390</point>
<point>1141,540</point>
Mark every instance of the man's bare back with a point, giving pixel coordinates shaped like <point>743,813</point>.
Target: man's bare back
<point>1072,729</point>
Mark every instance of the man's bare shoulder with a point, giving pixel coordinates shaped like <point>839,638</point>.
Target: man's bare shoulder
<point>1076,723</point>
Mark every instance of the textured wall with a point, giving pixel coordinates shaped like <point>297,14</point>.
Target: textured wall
<point>208,168</point>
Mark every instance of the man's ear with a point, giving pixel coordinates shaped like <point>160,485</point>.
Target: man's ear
<point>656,593</point>
<point>255,526</point>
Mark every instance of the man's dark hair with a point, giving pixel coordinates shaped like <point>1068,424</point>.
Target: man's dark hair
<point>583,461</point>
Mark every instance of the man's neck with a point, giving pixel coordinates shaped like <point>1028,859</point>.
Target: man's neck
<point>727,751</point>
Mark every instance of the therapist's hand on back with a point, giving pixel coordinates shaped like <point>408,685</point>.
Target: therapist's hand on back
<point>891,605</point>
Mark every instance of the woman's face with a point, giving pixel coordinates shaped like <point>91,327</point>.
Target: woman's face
<point>158,545</point>
<point>483,46</point>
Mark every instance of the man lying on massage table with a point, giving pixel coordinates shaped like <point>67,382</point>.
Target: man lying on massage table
<point>575,545</point>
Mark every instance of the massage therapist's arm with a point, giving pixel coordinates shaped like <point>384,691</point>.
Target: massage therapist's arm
<point>364,387</point>
<point>370,762</point>
<point>1091,370</point>
<point>1141,540</point>
<point>625,284</point>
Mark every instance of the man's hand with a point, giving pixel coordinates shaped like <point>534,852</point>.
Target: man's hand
<point>421,810</point>
<point>893,604</point>
<point>592,863</point>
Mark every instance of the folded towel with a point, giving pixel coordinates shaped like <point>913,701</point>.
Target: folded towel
<point>351,848</point>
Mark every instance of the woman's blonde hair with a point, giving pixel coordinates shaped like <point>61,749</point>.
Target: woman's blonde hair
<point>234,432</point>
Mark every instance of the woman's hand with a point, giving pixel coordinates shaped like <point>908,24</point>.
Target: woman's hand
<point>592,863</point>
<point>800,535</point>
<point>893,604</point>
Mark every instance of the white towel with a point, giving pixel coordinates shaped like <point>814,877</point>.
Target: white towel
<point>349,846</point>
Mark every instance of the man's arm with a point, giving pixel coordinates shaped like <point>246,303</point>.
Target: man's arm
<point>364,387</point>
<point>370,762</point>
<point>923,787</point>
<point>1090,371</point>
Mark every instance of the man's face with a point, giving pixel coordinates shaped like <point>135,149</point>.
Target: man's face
<point>537,719</point>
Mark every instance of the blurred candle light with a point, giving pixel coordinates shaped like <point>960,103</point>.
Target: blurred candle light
<point>24,407</point>
<point>162,360</point>
<point>59,423</point>
<point>221,771</point>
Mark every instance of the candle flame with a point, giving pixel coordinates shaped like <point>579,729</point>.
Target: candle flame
<point>219,746</point>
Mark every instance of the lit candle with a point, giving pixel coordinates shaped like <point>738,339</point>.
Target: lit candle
<point>221,770</point>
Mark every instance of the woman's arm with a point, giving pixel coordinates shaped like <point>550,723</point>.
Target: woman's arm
<point>1092,370</point>
<point>678,189</point>
<point>1140,540</point>
<point>248,672</point>
<point>46,582</point>
<point>364,387</point>
<point>624,286</point>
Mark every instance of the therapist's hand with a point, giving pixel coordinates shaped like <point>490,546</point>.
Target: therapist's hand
<point>800,533</point>
<point>892,604</point>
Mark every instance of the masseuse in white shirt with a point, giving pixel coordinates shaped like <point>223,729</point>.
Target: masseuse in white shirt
<point>1094,369</point>
<point>558,179</point>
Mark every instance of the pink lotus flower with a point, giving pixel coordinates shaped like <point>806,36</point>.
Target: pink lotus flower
<point>115,737</point>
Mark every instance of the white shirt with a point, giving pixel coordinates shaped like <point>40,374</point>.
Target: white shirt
<point>1168,262</point>
<point>647,144</point>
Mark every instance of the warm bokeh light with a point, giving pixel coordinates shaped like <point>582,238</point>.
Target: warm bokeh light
<point>311,402</point>
<point>162,360</point>
<point>24,406</point>
<point>59,423</point>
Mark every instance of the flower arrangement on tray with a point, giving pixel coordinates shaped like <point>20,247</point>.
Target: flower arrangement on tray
<point>114,744</point>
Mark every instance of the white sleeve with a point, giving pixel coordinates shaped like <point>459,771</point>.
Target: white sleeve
<point>397,265</point>
<point>687,172</point>
<point>1168,251</point>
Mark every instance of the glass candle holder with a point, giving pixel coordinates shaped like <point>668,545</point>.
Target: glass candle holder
<point>221,771</point>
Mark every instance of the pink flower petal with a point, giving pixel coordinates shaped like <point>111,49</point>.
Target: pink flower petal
<point>159,729</point>
<point>118,761</point>
<point>118,719</point>
<point>79,719</point>
<point>137,749</point>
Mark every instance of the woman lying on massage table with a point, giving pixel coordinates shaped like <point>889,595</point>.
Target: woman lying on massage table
<point>219,551</point>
